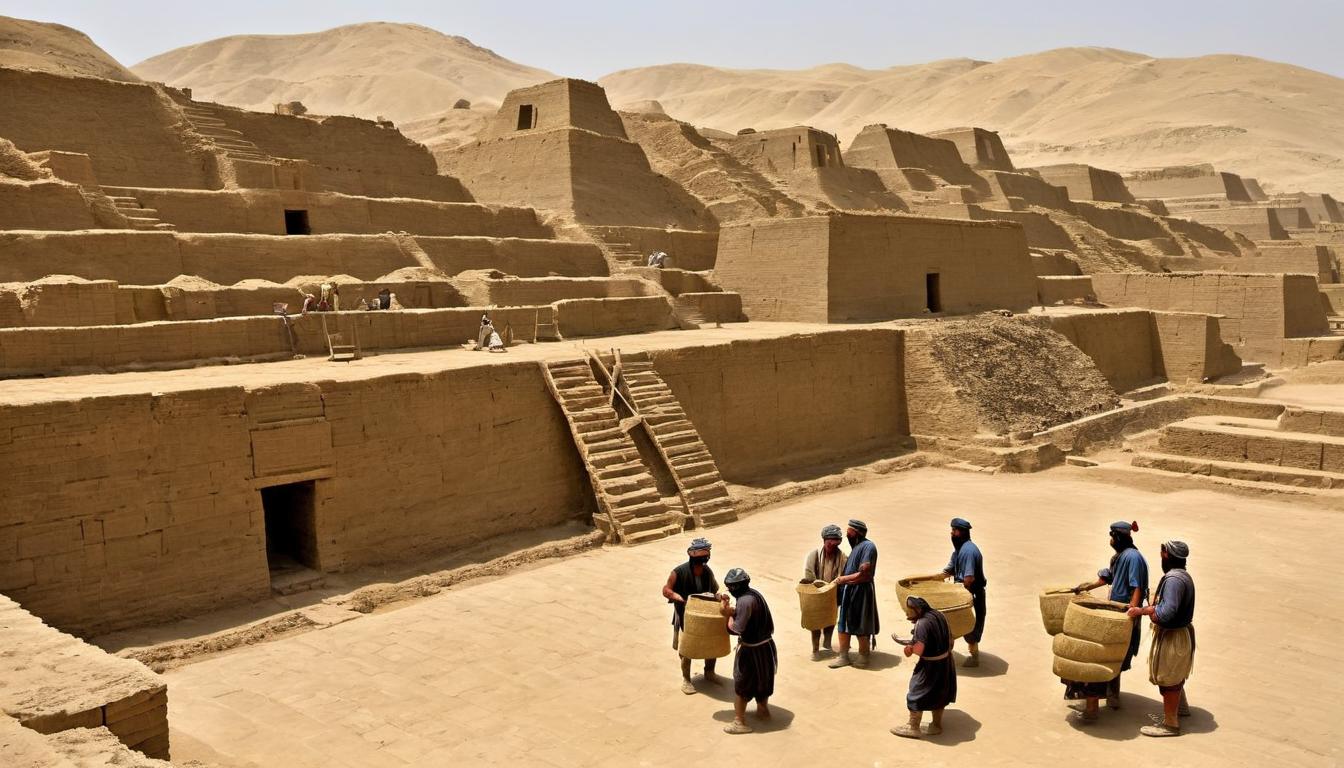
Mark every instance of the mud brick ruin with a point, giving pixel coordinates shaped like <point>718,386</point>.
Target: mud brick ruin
<point>175,442</point>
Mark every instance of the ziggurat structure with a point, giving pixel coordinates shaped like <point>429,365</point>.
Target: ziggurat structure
<point>176,443</point>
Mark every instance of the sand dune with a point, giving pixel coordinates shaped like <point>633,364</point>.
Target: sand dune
<point>401,71</point>
<point>54,48</point>
<point>1279,123</point>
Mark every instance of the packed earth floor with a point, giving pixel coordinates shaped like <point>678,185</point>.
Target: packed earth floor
<point>570,663</point>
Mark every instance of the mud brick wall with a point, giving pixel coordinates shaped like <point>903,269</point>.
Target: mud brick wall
<point>518,257</point>
<point>1191,348</point>
<point>611,317</point>
<point>43,205</point>
<point>1120,343</point>
<point>53,682</point>
<point>689,250</point>
<point>714,307</point>
<point>1255,223</point>
<point>774,404</point>
<point>778,267</point>
<point>121,509</point>
<point>130,132</point>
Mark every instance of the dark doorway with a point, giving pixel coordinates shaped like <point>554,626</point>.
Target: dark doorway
<point>527,117</point>
<point>933,295</point>
<point>821,156</point>
<point>296,223</point>
<point>291,526</point>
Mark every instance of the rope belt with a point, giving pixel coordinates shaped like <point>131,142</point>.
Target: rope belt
<point>741,644</point>
<point>939,657</point>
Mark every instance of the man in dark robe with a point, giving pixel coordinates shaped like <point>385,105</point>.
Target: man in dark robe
<point>1127,576</point>
<point>1173,651</point>
<point>933,684</point>
<point>858,597</point>
<point>692,577</point>
<point>756,660</point>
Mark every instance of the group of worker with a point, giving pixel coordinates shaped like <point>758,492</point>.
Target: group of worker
<point>933,683</point>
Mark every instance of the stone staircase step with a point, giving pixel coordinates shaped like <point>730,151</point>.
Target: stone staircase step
<point>1239,470</point>
<point>1223,439</point>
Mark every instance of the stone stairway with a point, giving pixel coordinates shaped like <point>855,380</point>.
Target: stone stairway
<point>139,216</point>
<point>1292,450</point>
<point>206,121</point>
<point>625,254</point>
<point>629,507</point>
<point>702,489</point>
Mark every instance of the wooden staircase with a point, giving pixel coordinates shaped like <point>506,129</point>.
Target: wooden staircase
<point>630,509</point>
<point>699,483</point>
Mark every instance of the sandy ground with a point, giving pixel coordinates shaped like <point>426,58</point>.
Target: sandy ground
<point>569,663</point>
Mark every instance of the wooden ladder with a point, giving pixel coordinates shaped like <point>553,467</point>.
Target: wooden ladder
<point>337,350</point>
<point>703,492</point>
<point>630,510</point>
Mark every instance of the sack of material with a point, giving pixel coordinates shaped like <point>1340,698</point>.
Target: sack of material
<point>704,633</point>
<point>1172,656</point>
<point>817,603</point>
<point>1053,602</point>
<point>1102,621</point>
<point>1085,672</point>
<point>1078,649</point>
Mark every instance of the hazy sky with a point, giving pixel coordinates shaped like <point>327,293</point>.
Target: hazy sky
<point>591,39</point>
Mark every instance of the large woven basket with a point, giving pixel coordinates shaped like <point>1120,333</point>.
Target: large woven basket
<point>960,620</point>
<point>817,603</point>
<point>940,595</point>
<point>1100,621</point>
<point>704,634</point>
<point>1053,602</point>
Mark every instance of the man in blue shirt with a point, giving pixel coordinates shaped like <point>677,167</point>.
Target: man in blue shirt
<point>858,597</point>
<point>1173,651</point>
<point>967,567</point>
<point>1127,576</point>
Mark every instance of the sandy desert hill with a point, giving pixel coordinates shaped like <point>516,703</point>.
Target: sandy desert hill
<point>55,48</point>
<point>1121,110</point>
<point>401,71</point>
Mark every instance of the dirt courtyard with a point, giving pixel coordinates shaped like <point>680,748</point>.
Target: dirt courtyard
<point>569,663</point>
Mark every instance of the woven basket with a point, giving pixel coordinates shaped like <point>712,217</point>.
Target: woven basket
<point>1089,652</point>
<point>960,620</point>
<point>817,603</point>
<point>1084,672</point>
<point>940,595</point>
<point>1101,621</point>
<point>704,633</point>
<point>1053,602</point>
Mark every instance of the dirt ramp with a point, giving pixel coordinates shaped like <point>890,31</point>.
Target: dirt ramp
<point>998,375</point>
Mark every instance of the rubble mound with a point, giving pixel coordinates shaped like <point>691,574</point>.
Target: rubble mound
<point>1018,374</point>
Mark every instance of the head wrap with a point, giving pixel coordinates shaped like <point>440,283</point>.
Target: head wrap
<point>858,525</point>
<point>1123,527</point>
<point>915,601</point>
<point>736,576</point>
<point>700,543</point>
<point>1177,549</point>
<point>832,532</point>
<point>960,522</point>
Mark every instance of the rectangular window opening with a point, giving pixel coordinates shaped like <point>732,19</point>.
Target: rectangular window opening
<point>291,527</point>
<point>933,296</point>
<point>296,223</point>
<point>527,117</point>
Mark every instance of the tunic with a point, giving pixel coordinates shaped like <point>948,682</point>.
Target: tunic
<point>933,685</point>
<point>756,660</point>
<point>688,584</point>
<point>1172,655</point>
<point>858,602</point>
<point>967,561</point>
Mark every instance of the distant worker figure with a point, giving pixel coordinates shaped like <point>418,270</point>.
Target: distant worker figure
<point>757,659</point>
<point>824,563</point>
<point>657,259</point>
<point>1127,575</point>
<point>933,684</point>
<point>309,303</point>
<point>858,596</point>
<point>1172,656</point>
<point>692,577</point>
<point>488,337</point>
<point>329,299</point>
<point>966,566</point>
<point>384,300</point>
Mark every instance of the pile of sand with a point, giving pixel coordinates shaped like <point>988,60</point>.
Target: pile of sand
<point>193,283</point>
<point>406,274</point>
<point>57,49</point>
<point>400,71</point>
<point>1113,109</point>
<point>15,164</point>
<point>1018,374</point>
